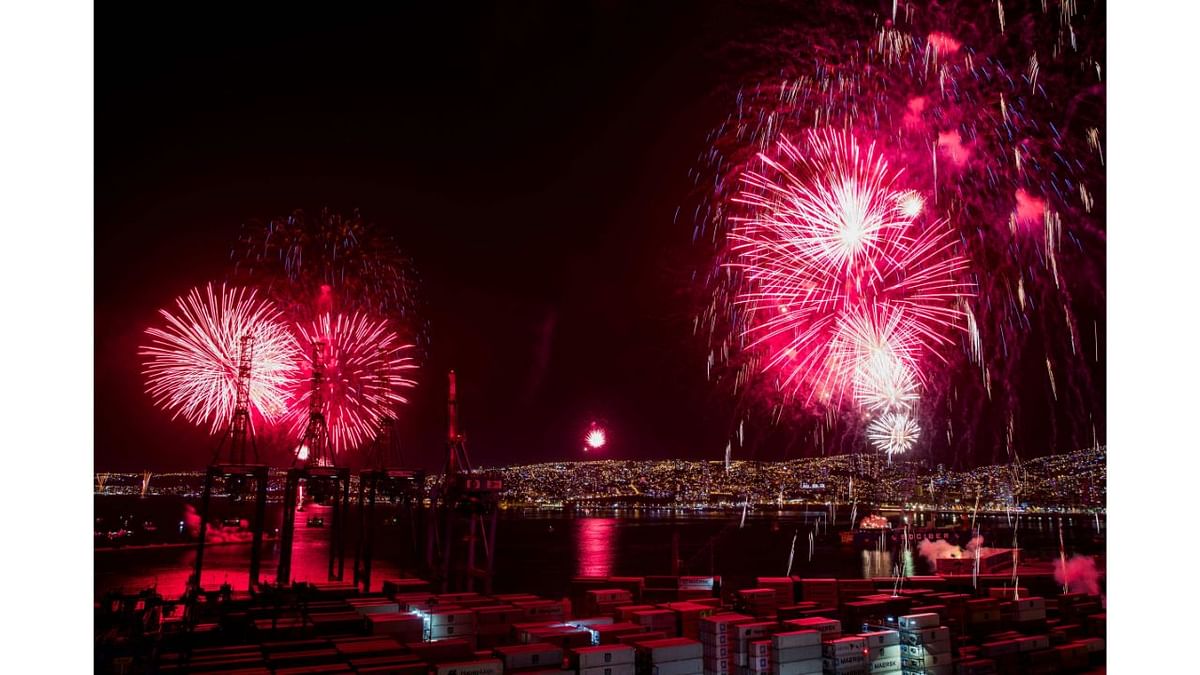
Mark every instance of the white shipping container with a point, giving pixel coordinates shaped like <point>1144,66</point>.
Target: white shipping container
<point>481,667</point>
<point>846,645</point>
<point>796,654</point>
<point>454,618</point>
<point>759,649</point>
<point>681,667</point>
<point>926,662</point>
<point>843,662</point>
<point>1030,603</point>
<point>914,621</point>
<point>718,624</point>
<point>874,653</point>
<point>918,651</point>
<point>886,665</point>
<point>760,664</point>
<point>620,669</point>
<point>721,664</point>
<point>881,638</point>
<point>602,655</point>
<point>807,667</point>
<point>924,635</point>
<point>671,649</point>
<point>450,630</point>
<point>795,638</point>
<point>378,608</point>
<point>721,639</point>
<point>717,651</point>
<point>829,627</point>
<point>530,655</point>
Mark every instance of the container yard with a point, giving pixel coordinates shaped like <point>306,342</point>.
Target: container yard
<point>936,625</point>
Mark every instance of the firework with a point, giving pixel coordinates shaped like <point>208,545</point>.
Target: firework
<point>595,438</point>
<point>366,368</point>
<point>894,433</point>
<point>311,266</point>
<point>994,132</point>
<point>838,274</point>
<point>191,361</point>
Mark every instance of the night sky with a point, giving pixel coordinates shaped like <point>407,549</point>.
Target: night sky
<point>529,157</point>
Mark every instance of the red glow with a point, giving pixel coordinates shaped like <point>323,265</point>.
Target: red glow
<point>1030,209</point>
<point>943,44</point>
<point>914,111</point>
<point>594,541</point>
<point>951,145</point>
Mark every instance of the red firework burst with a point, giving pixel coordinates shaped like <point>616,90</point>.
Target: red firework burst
<point>844,287</point>
<point>366,368</point>
<point>191,363</point>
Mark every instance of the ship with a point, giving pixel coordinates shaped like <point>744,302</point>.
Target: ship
<point>875,531</point>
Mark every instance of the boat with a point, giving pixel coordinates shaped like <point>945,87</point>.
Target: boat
<point>874,531</point>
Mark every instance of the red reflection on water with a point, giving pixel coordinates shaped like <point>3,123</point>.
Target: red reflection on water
<point>593,539</point>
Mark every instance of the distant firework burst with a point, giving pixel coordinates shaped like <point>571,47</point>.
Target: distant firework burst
<point>893,433</point>
<point>595,438</point>
<point>191,361</point>
<point>366,368</point>
<point>991,124</point>
<point>313,265</point>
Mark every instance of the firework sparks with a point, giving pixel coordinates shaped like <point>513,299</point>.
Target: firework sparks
<point>1000,142</point>
<point>191,363</point>
<point>366,370</point>
<point>595,437</point>
<point>841,285</point>
<point>893,433</point>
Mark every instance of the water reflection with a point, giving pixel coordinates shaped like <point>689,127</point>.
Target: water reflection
<point>594,543</point>
<point>882,563</point>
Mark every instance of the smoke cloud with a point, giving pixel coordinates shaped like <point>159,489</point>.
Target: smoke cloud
<point>1079,575</point>
<point>932,550</point>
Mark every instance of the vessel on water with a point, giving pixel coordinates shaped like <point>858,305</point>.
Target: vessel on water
<point>875,531</point>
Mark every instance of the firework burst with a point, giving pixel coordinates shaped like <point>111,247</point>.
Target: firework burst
<point>366,369</point>
<point>893,433</point>
<point>191,361</point>
<point>842,289</point>
<point>999,135</point>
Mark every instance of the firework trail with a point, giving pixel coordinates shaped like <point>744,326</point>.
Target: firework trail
<point>367,367</point>
<point>191,361</point>
<point>314,265</point>
<point>996,120</point>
